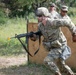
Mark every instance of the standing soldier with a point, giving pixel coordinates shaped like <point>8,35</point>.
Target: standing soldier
<point>52,10</point>
<point>54,41</point>
<point>63,12</point>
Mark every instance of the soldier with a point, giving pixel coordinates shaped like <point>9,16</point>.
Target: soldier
<point>63,12</point>
<point>52,10</point>
<point>54,41</point>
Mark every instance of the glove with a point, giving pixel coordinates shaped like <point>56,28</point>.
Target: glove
<point>31,34</point>
<point>74,37</point>
<point>33,37</point>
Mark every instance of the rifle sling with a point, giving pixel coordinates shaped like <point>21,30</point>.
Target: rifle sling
<point>24,47</point>
<point>39,45</point>
<point>27,49</point>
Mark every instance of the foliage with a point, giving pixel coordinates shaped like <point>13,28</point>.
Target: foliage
<point>24,7</point>
<point>72,12</point>
<point>3,18</point>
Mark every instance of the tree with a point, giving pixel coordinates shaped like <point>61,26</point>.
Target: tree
<point>24,7</point>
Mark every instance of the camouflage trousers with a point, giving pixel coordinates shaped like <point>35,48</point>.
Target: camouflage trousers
<point>55,62</point>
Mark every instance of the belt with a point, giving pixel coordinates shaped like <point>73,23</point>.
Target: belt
<point>48,40</point>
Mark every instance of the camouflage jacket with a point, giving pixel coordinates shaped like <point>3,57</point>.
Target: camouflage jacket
<point>52,32</point>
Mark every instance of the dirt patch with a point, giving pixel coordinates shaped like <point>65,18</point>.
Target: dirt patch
<point>6,62</point>
<point>16,65</point>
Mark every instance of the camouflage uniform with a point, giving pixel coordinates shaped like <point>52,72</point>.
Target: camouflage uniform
<point>65,67</point>
<point>55,42</point>
<point>64,8</point>
<point>53,13</point>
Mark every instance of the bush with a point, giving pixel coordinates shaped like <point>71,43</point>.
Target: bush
<point>72,11</point>
<point>3,18</point>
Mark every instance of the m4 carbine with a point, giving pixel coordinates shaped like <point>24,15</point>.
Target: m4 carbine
<point>27,35</point>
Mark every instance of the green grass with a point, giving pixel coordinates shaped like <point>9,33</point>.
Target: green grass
<point>9,29</point>
<point>12,27</point>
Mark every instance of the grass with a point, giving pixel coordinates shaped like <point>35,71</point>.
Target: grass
<point>9,29</point>
<point>12,27</point>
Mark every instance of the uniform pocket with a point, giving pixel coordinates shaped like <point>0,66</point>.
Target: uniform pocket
<point>66,53</point>
<point>56,43</point>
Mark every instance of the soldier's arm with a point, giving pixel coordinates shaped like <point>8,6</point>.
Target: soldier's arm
<point>66,23</point>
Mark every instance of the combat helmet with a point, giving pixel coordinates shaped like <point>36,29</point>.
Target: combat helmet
<point>64,8</point>
<point>42,11</point>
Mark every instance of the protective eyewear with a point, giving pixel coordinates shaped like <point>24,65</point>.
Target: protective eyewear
<point>64,11</point>
<point>39,15</point>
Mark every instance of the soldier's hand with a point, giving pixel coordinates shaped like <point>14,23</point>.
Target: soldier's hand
<point>74,37</point>
<point>33,38</point>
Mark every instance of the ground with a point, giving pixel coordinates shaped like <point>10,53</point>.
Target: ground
<point>15,65</point>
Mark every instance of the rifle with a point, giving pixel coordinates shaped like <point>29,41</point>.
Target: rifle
<point>27,35</point>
